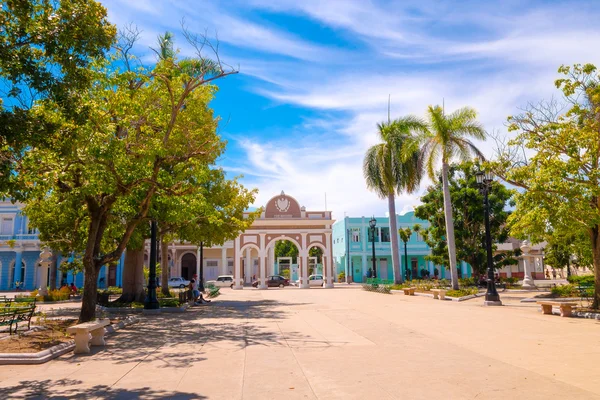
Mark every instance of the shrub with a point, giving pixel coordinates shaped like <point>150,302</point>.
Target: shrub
<point>466,282</point>
<point>213,292</point>
<point>377,288</point>
<point>160,295</point>
<point>341,276</point>
<point>53,295</point>
<point>169,302</point>
<point>581,279</point>
<point>565,291</point>
<point>511,280</point>
<point>114,290</point>
<point>462,292</point>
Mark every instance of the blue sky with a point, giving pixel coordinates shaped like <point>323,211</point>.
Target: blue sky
<point>315,76</point>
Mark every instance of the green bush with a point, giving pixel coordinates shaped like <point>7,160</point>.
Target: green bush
<point>386,289</point>
<point>114,290</point>
<point>581,279</point>
<point>565,291</point>
<point>341,276</point>
<point>213,292</point>
<point>160,295</point>
<point>169,302</point>
<point>462,292</point>
<point>466,282</point>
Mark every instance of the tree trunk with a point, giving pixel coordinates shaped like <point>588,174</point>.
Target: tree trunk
<point>449,227</point>
<point>90,288</point>
<point>164,265</point>
<point>133,277</point>
<point>394,238</point>
<point>595,237</point>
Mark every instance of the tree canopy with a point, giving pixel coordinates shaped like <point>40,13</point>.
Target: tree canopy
<point>562,177</point>
<point>468,212</point>
<point>46,50</point>
<point>149,132</point>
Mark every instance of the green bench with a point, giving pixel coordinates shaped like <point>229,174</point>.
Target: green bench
<point>10,316</point>
<point>586,291</point>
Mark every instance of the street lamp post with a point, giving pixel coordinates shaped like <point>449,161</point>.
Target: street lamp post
<point>151,302</point>
<point>372,225</point>
<point>492,298</point>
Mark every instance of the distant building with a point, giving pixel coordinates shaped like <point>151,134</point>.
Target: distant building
<point>352,240</point>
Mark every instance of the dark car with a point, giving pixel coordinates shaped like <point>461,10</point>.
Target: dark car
<point>275,281</point>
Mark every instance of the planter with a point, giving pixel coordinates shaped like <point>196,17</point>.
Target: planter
<point>55,351</point>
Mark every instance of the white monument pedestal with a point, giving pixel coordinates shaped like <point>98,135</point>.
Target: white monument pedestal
<point>528,282</point>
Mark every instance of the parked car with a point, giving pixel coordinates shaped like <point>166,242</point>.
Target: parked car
<point>178,282</point>
<point>222,281</point>
<point>313,280</point>
<point>274,281</point>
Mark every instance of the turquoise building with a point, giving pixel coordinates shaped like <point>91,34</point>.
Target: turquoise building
<point>20,245</point>
<point>352,248</point>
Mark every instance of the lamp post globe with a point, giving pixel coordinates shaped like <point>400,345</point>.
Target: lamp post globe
<point>485,179</point>
<point>372,225</point>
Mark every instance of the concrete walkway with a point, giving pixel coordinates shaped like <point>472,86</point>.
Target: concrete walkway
<point>330,344</point>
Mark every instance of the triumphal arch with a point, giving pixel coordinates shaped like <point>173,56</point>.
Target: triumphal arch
<point>284,219</point>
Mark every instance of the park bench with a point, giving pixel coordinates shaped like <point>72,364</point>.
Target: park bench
<point>5,302</point>
<point>439,293</point>
<point>586,291</point>
<point>10,316</point>
<point>88,331</point>
<point>409,291</point>
<point>565,308</point>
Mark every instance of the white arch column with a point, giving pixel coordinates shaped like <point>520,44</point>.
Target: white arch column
<point>248,266</point>
<point>329,265</point>
<point>262,265</point>
<point>237,266</point>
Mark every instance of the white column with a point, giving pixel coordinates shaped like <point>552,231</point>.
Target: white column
<point>224,261</point>
<point>328,261</point>
<point>364,267</point>
<point>198,263</point>
<point>237,266</point>
<point>262,267</point>
<point>528,283</point>
<point>248,265</point>
<point>271,266</point>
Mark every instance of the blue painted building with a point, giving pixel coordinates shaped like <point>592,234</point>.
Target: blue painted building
<point>20,245</point>
<point>352,247</point>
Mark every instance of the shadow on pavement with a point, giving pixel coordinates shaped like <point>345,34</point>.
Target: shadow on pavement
<point>71,389</point>
<point>231,325</point>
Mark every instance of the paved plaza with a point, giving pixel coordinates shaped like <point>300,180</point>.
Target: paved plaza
<point>342,343</point>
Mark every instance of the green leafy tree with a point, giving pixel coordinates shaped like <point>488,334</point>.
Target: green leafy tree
<point>285,248</point>
<point>447,138</point>
<point>147,131</point>
<point>468,215</point>
<point>562,177</point>
<point>389,169</point>
<point>46,50</point>
<point>211,213</point>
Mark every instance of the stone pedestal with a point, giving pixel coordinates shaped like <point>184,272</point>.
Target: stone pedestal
<point>492,303</point>
<point>528,282</point>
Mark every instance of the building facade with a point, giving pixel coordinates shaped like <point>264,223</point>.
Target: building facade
<point>353,249</point>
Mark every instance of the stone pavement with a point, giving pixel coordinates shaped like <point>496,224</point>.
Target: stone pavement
<point>330,344</point>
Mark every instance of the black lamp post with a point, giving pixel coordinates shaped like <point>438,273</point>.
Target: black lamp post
<point>151,302</point>
<point>485,179</point>
<point>372,225</point>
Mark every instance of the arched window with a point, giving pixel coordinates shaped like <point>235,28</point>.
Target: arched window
<point>11,279</point>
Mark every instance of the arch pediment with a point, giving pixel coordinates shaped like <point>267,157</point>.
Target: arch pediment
<point>283,206</point>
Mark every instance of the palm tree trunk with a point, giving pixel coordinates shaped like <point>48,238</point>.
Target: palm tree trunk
<point>449,226</point>
<point>394,238</point>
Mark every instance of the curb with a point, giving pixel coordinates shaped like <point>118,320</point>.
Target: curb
<point>55,351</point>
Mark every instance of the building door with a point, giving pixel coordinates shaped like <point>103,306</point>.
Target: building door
<point>414,266</point>
<point>112,275</point>
<point>382,269</point>
<point>211,270</point>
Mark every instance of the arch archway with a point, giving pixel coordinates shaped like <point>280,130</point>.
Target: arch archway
<point>188,265</point>
<point>11,275</point>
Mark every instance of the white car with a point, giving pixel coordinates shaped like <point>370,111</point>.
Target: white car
<point>222,281</point>
<point>313,280</point>
<point>178,282</point>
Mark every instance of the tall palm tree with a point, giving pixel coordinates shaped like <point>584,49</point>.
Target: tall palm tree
<point>389,168</point>
<point>447,138</point>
